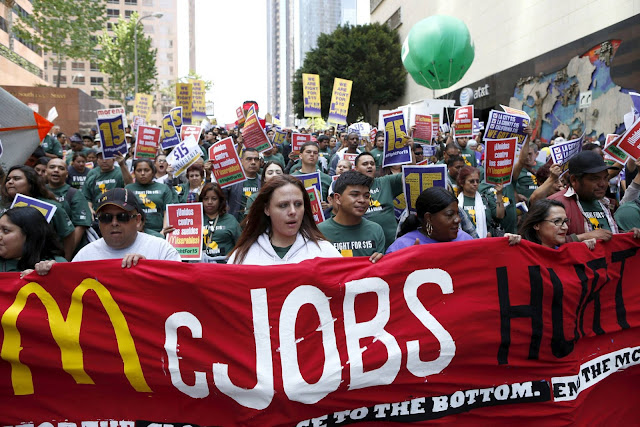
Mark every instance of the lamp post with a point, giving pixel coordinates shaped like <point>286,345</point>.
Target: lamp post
<point>135,47</point>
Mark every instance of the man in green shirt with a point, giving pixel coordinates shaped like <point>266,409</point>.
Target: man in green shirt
<point>466,153</point>
<point>273,156</point>
<point>77,146</point>
<point>449,150</point>
<point>383,190</point>
<point>237,194</point>
<point>72,200</point>
<point>378,150</point>
<point>51,144</point>
<point>628,215</point>
<point>349,232</point>
<point>105,177</point>
<point>309,158</point>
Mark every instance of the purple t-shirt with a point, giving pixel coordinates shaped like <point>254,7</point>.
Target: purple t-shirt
<point>409,239</point>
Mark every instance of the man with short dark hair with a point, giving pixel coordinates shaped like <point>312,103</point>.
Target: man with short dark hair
<point>77,146</point>
<point>584,201</point>
<point>454,164</point>
<point>468,155</point>
<point>352,141</point>
<point>349,232</point>
<point>105,177</point>
<point>378,151</point>
<point>237,194</point>
<point>309,159</point>
<point>449,150</point>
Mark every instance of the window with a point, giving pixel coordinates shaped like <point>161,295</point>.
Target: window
<point>98,94</point>
<point>128,13</point>
<point>113,13</point>
<point>3,24</point>
<point>94,66</point>
<point>395,20</point>
<point>77,66</point>
<point>97,81</point>
<point>109,26</point>
<point>55,65</point>
<point>78,80</point>
<point>63,79</point>
<point>115,105</point>
<point>113,1</point>
<point>131,2</point>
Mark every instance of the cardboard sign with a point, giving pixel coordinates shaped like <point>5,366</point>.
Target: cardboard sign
<point>226,165</point>
<point>311,95</point>
<point>515,112</point>
<point>463,120</point>
<point>184,155</point>
<point>611,150</point>
<point>112,137</point>
<point>253,133</point>
<point>563,151</point>
<point>279,137</point>
<point>311,180</point>
<point>416,179</point>
<point>170,136</point>
<point>423,130</point>
<point>185,101</point>
<point>505,125</point>
<point>500,156</point>
<point>147,142</point>
<point>316,206</point>
<point>351,157</point>
<point>186,218</point>
<point>435,125</point>
<point>373,134</point>
<point>362,129</point>
<point>630,141</point>
<point>240,115</point>
<point>143,106</point>
<point>198,102</point>
<point>177,118</point>
<point>113,112</point>
<point>298,139</point>
<point>340,101</point>
<point>46,209</point>
<point>396,150</point>
<point>137,121</point>
<point>191,130</point>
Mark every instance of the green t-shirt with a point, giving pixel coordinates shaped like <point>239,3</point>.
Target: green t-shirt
<point>510,221</point>
<point>99,182</point>
<point>595,215</point>
<point>69,157</point>
<point>378,155</point>
<point>153,199</point>
<point>469,156</point>
<point>383,190</point>
<point>526,183</point>
<point>469,206</point>
<point>249,187</point>
<point>354,240</point>
<point>325,182</point>
<point>220,240</point>
<point>51,145</point>
<point>281,252</point>
<point>77,208</point>
<point>11,265</point>
<point>60,221</point>
<point>628,216</point>
<point>278,158</point>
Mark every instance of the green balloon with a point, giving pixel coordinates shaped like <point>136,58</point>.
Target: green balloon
<point>438,51</point>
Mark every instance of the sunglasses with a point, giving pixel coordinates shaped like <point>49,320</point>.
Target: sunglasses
<point>123,217</point>
<point>418,153</point>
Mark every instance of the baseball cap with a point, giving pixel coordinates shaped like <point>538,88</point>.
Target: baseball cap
<point>75,138</point>
<point>119,197</point>
<point>128,135</point>
<point>97,138</point>
<point>587,162</point>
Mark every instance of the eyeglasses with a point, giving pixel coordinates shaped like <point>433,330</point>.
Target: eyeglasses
<point>473,181</point>
<point>418,153</point>
<point>123,217</point>
<point>558,222</point>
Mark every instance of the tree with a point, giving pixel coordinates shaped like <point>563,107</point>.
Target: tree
<point>117,60</point>
<point>368,55</point>
<point>63,28</point>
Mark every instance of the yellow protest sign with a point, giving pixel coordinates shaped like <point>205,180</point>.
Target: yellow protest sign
<point>143,105</point>
<point>340,101</point>
<point>311,94</point>
<point>184,98</point>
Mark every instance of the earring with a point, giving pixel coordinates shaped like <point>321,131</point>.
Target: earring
<point>428,228</point>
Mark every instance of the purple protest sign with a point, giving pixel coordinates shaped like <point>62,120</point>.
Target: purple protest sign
<point>396,150</point>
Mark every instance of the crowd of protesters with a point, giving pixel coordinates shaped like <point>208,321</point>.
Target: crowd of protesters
<point>115,208</point>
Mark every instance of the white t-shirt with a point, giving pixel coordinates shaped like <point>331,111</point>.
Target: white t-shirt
<point>150,247</point>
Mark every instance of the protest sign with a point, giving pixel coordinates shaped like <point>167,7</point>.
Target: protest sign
<point>253,133</point>
<point>351,157</point>
<point>147,142</point>
<point>279,137</point>
<point>184,155</point>
<point>113,112</point>
<point>423,130</point>
<point>396,150</point>
<point>297,139</point>
<point>504,125</point>
<point>177,117</point>
<point>416,179</point>
<point>630,141</point>
<point>170,136</point>
<point>198,102</point>
<point>112,136</point>
<point>506,336</point>
<point>143,106</point>
<point>340,101</point>
<point>500,156</point>
<point>463,121</point>
<point>52,114</point>
<point>46,209</point>
<point>563,151</point>
<point>515,112</point>
<point>362,129</point>
<point>226,165</point>
<point>311,180</point>
<point>316,206</point>
<point>611,150</point>
<point>184,99</point>
<point>311,95</point>
<point>137,121</point>
<point>435,125</point>
<point>240,115</point>
<point>190,130</point>
<point>373,134</point>
<point>186,218</point>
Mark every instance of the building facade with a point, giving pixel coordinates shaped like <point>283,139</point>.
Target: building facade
<point>86,75</point>
<point>542,56</point>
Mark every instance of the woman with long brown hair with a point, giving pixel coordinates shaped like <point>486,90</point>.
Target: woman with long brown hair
<point>280,228</point>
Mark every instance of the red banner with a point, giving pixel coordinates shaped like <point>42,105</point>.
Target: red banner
<point>500,156</point>
<point>513,335</point>
<point>253,133</point>
<point>463,120</point>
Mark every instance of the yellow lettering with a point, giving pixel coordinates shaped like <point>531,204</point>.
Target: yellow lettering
<point>67,335</point>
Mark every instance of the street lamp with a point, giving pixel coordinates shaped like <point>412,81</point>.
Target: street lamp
<point>135,46</point>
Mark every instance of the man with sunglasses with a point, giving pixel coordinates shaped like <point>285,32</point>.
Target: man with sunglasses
<point>118,216</point>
